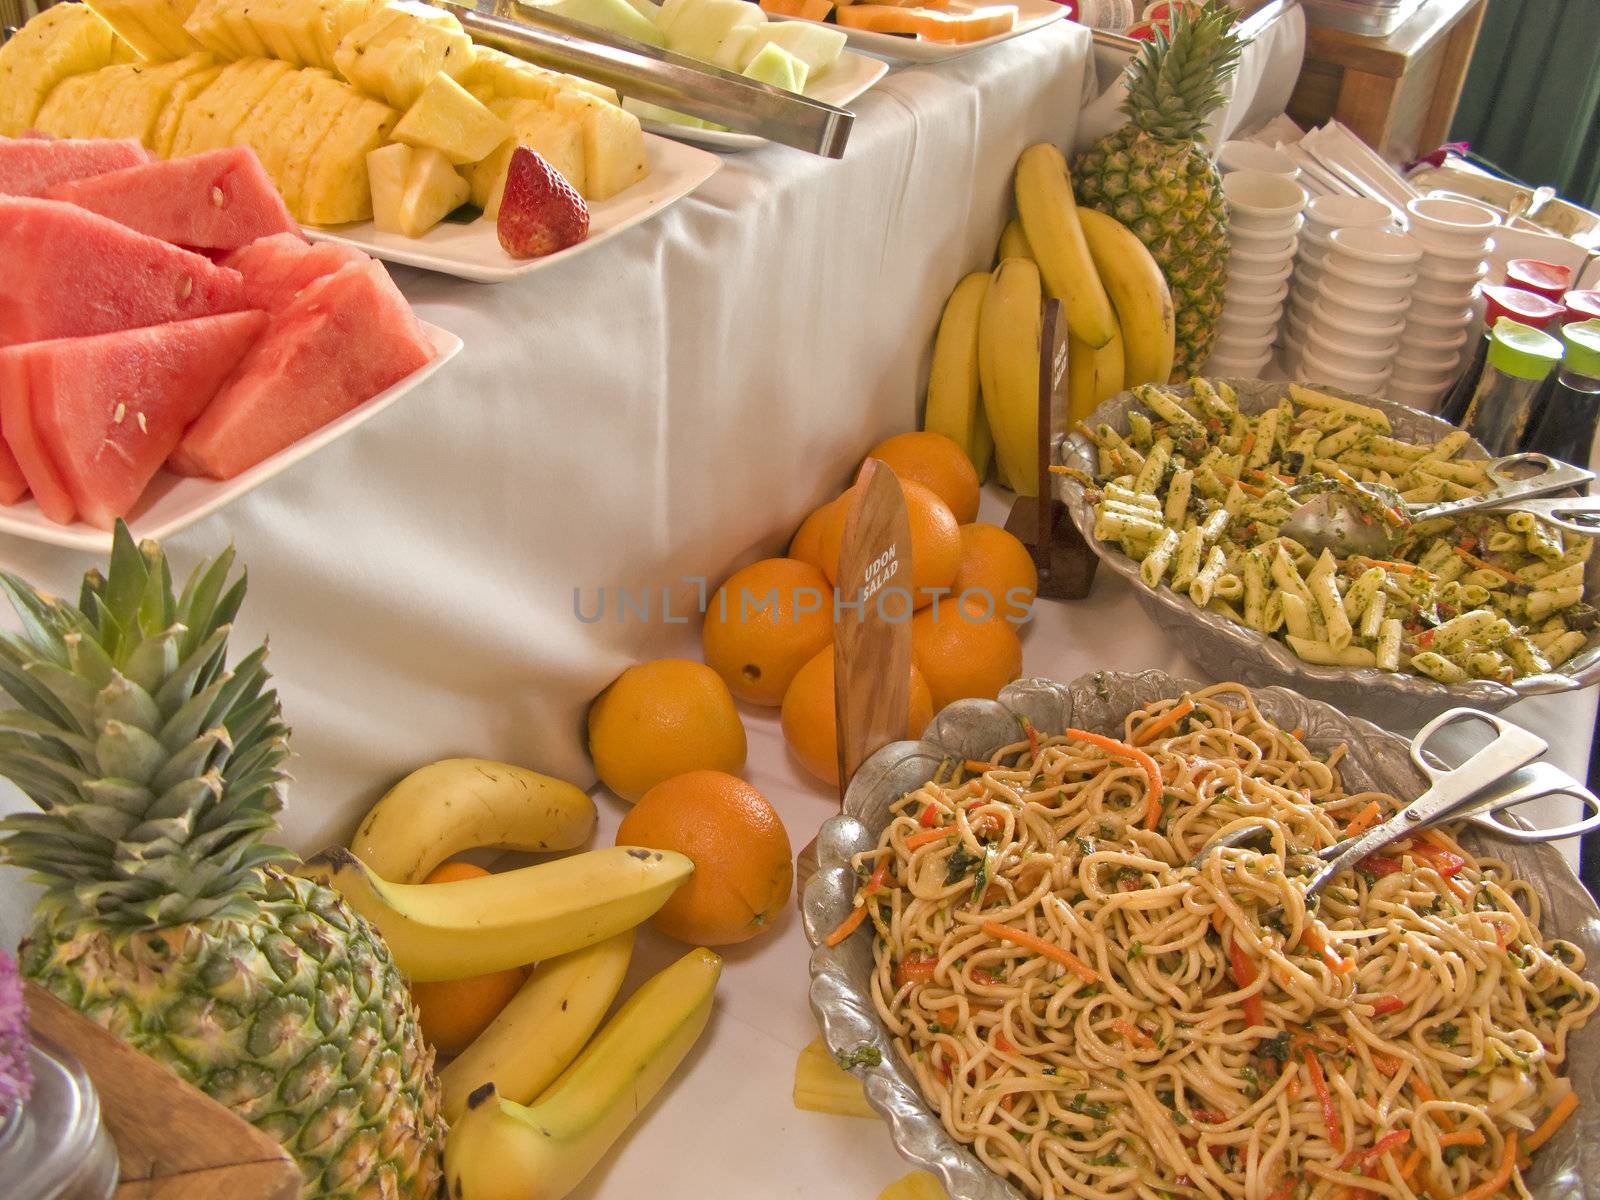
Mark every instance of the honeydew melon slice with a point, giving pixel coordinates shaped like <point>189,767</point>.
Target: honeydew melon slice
<point>647,10</point>
<point>669,12</point>
<point>818,46</point>
<point>715,31</point>
<point>616,15</point>
<point>777,66</point>
<point>646,111</point>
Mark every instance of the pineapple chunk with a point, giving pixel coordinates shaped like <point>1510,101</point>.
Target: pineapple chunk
<point>336,190</point>
<point>206,25</point>
<point>152,27</point>
<point>387,171</point>
<point>330,99</point>
<point>62,41</point>
<point>495,76</point>
<point>919,1185</point>
<point>178,100</point>
<point>293,129</point>
<point>74,105</point>
<point>433,192</point>
<point>613,144</point>
<point>449,119</point>
<point>552,135</point>
<point>395,52</point>
<point>141,93</point>
<point>339,18</point>
<point>271,20</point>
<point>576,83</point>
<point>822,1085</point>
<point>211,117</point>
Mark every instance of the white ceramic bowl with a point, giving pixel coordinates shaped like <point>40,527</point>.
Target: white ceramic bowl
<point>1239,345</point>
<point>1431,339</point>
<point>1375,249</point>
<point>1422,398</point>
<point>1350,354</point>
<point>1338,211</point>
<point>1420,377</point>
<point>1241,155</point>
<point>1314,239</point>
<point>1448,271</point>
<point>1257,278</point>
<point>1460,315</point>
<point>1313,368</point>
<point>1358,326</point>
<point>1257,200</point>
<point>1452,259</point>
<point>1443,221</point>
<point>1425,361</point>
<point>1361,291</point>
<point>1238,368</point>
<point>1443,295</point>
<point>1361,307</point>
<point>1278,242</point>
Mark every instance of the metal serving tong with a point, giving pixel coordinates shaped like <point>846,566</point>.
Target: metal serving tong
<point>1332,520</point>
<point>1496,777</point>
<point>656,76</point>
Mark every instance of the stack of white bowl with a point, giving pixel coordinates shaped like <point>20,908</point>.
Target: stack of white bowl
<point>1323,215</point>
<point>1263,225</point>
<point>1454,235</point>
<point>1354,332</point>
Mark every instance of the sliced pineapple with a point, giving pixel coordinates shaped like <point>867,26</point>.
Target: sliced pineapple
<point>336,190</point>
<point>576,83</point>
<point>152,27</point>
<point>62,41</point>
<point>433,191</point>
<point>293,128</point>
<point>448,118</point>
<point>329,100</point>
<point>206,25</point>
<point>235,18</point>
<point>493,75</point>
<point>141,94</point>
<point>74,105</point>
<point>919,1185</point>
<point>271,20</point>
<point>211,118</point>
<point>178,100</point>
<point>822,1085</point>
<point>613,144</point>
<point>387,170</point>
<point>262,122</point>
<point>396,51</point>
<point>554,135</point>
<point>339,18</point>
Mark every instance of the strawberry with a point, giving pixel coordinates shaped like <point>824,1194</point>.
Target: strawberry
<point>540,212</point>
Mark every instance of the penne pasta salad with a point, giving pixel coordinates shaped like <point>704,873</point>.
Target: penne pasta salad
<point>1197,489</point>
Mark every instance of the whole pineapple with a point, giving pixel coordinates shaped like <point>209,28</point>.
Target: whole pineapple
<point>158,771</point>
<point>1156,176</point>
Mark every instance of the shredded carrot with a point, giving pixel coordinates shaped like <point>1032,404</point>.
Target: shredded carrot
<point>1165,721</point>
<point>1564,1108</point>
<point>1248,444</point>
<point>1413,1161</point>
<point>1294,1084</point>
<point>1002,1043</point>
<point>1152,772</point>
<point>1330,1114</point>
<point>1248,489</point>
<point>1133,1033</point>
<point>1386,1004</point>
<point>973,764</point>
<point>1462,1137</point>
<point>1336,963</point>
<point>878,875</point>
<point>1484,564</point>
<point>848,926</point>
<point>1363,819</point>
<point>929,835</point>
<point>1219,919</point>
<point>1425,1094</point>
<point>1371,1154</point>
<point>1297,733</point>
<point>914,970</point>
<point>1038,945</point>
<point>1386,1065</point>
<point>1033,738</point>
<point>1502,1173</point>
<point>1388,564</point>
<point>1244,974</point>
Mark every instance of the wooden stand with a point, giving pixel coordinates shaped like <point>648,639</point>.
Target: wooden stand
<point>173,1142</point>
<point>1066,564</point>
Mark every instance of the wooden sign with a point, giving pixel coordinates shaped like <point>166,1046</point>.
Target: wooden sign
<point>173,1141</point>
<point>1065,563</point>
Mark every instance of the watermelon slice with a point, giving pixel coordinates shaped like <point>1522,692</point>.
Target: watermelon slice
<point>344,339</point>
<point>68,272</point>
<point>278,268</point>
<point>13,483</point>
<point>30,165</point>
<point>219,200</point>
<point>107,410</point>
<point>16,418</point>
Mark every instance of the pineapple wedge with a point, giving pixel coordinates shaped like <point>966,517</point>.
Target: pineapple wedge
<point>493,76</point>
<point>62,41</point>
<point>140,95</point>
<point>212,117</point>
<point>394,53</point>
<point>294,129</point>
<point>235,18</point>
<point>387,171</point>
<point>433,192</point>
<point>576,83</point>
<point>271,20</point>
<point>919,1185</point>
<point>262,122</point>
<point>206,25</point>
<point>329,99</point>
<point>822,1085</point>
<point>74,105</point>
<point>613,144</point>
<point>152,27</point>
<point>178,100</point>
<point>339,18</point>
<point>450,119</point>
<point>551,134</point>
<point>336,190</point>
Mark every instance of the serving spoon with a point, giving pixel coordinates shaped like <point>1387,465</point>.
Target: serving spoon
<point>1334,520</point>
<point>1495,777</point>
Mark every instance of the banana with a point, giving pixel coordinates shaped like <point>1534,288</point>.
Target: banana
<point>460,804</point>
<point>1050,223</point>
<point>1008,365</point>
<point>501,1150</point>
<point>541,1031</point>
<point>982,442</point>
<point>1092,375</point>
<point>1139,293</point>
<point>440,931</point>
<point>1013,242</point>
<point>953,379</point>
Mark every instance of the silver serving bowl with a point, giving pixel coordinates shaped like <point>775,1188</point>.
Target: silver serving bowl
<point>1229,650</point>
<point>1567,1168</point>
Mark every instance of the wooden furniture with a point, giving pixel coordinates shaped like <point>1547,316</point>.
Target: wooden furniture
<point>173,1143</point>
<point>1397,93</point>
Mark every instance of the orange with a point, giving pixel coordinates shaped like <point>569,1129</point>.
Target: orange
<point>659,719</point>
<point>810,721</point>
<point>807,543</point>
<point>938,464</point>
<point>762,625</point>
<point>935,545</point>
<point>994,562</point>
<point>743,871</point>
<point>454,1013</point>
<point>963,651</point>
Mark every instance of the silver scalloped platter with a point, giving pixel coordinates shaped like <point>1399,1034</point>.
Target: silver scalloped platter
<point>1228,650</point>
<point>1567,1168</point>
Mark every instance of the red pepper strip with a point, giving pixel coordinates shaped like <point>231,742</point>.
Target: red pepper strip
<point>930,814</point>
<point>1369,1156</point>
<point>1286,1188</point>
<point>1003,1043</point>
<point>1447,862</point>
<point>1207,1115</point>
<point>1378,864</point>
<point>878,873</point>
<point>1033,739</point>
<point>1384,1005</point>
<point>1330,1115</point>
<point>914,970</point>
<point>1244,974</point>
<point>979,975</point>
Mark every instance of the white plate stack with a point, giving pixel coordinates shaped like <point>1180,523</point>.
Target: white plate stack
<point>1323,215</point>
<point>1263,229</point>
<point>1454,236</point>
<point>1354,332</point>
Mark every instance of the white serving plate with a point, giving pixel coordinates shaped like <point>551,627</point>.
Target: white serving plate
<point>473,251</point>
<point>1031,15</point>
<point>172,503</point>
<point>852,75</point>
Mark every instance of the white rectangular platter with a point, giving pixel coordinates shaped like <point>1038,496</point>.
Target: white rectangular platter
<point>172,503</point>
<point>852,75</point>
<point>1031,15</point>
<point>473,251</point>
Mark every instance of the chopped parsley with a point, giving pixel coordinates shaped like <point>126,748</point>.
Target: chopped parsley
<point>960,863</point>
<point>1447,1033</point>
<point>1084,1107</point>
<point>1276,1048</point>
<point>1085,845</point>
<point>1135,950</point>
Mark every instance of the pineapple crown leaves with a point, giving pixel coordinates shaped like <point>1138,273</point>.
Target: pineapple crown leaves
<point>1175,81</point>
<point>158,771</point>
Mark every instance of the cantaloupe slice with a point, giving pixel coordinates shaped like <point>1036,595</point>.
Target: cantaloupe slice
<point>880,18</point>
<point>955,25</point>
<point>810,10</point>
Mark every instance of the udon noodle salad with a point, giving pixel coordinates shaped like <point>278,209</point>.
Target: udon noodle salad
<point>1096,1019</point>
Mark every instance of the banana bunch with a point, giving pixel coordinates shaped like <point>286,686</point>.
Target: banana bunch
<point>983,388</point>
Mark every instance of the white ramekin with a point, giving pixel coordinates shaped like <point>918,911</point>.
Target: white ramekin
<point>1257,200</point>
<point>1337,211</point>
<point>1375,248</point>
<point>1241,155</point>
